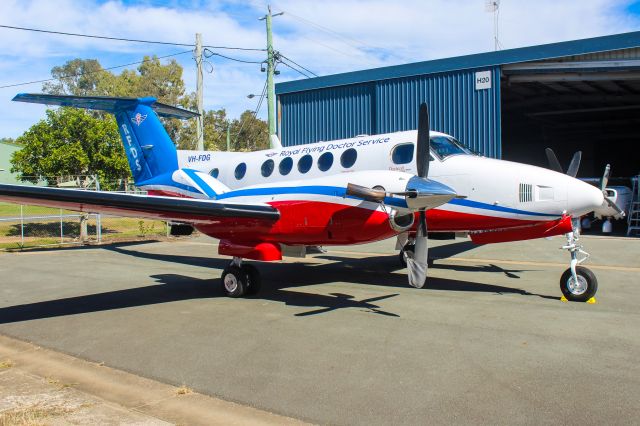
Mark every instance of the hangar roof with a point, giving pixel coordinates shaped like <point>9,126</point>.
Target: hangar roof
<point>502,57</point>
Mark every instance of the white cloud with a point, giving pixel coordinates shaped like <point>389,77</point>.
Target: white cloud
<point>326,37</point>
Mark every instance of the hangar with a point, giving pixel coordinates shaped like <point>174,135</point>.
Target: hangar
<point>510,104</point>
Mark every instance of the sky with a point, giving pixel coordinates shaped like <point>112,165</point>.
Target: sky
<point>326,37</point>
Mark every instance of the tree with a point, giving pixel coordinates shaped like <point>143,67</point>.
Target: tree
<point>7,140</point>
<point>70,141</point>
<point>249,133</point>
<point>77,142</point>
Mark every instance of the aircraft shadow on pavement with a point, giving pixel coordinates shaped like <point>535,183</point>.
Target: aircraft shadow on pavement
<point>279,284</point>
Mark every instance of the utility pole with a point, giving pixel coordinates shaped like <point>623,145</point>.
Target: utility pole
<point>271,62</point>
<point>200,118</point>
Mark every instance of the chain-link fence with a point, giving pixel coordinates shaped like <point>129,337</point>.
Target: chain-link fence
<point>24,226</point>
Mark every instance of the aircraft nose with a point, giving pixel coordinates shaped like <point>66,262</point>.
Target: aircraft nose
<point>582,198</point>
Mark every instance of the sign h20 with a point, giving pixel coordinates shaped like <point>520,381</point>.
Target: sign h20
<point>483,80</point>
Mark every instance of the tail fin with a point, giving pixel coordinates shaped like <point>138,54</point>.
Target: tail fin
<point>150,150</point>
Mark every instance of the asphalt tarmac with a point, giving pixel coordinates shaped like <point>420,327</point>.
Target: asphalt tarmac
<point>341,339</point>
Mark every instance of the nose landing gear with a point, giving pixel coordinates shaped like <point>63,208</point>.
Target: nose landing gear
<point>577,283</point>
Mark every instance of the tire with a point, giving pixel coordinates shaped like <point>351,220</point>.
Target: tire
<point>234,281</point>
<point>402,256</point>
<point>253,278</point>
<point>587,288</point>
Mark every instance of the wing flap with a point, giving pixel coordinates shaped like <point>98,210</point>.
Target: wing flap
<point>133,205</point>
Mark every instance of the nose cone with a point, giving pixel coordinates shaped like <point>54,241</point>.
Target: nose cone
<point>582,198</point>
<point>427,193</point>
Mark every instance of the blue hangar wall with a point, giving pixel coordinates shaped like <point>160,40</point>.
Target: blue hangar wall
<point>456,107</point>
<point>556,77</point>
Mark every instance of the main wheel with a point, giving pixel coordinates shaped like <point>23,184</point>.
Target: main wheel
<point>234,281</point>
<point>582,290</point>
<point>253,278</point>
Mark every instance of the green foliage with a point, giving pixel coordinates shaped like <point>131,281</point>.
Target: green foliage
<point>249,133</point>
<point>70,141</point>
<point>78,142</point>
<point>7,140</point>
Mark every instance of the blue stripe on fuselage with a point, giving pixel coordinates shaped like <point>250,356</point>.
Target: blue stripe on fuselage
<point>209,192</point>
<point>336,191</point>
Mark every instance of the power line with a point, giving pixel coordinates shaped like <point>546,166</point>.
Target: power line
<point>130,40</point>
<point>295,69</point>
<point>93,72</point>
<point>300,66</point>
<point>327,30</point>
<point>255,112</point>
<point>208,53</point>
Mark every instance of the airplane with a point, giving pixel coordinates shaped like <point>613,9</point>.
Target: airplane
<point>262,205</point>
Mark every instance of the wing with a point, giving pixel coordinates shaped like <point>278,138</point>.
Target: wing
<point>151,207</point>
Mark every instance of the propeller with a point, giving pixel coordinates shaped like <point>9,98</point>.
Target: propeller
<point>421,194</point>
<point>418,261</point>
<point>603,187</point>
<point>554,164</point>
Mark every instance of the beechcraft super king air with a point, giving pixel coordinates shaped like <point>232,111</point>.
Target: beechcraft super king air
<point>350,191</point>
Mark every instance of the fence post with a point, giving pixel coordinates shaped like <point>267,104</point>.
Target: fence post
<point>61,232</point>
<point>83,228</point>
<point>21,226</point>
<point>98,216</point>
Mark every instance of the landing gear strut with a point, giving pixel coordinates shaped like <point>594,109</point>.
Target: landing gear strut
<point>240,279</point>
<point>577,283</point>
<point>410,246</point>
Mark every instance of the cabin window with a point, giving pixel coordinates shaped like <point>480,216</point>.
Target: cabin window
<point>402,154</point>
<point>305,163</point>
<point>241,169</point>
<point>285,166</point>
<point>325,161</point>
<point>348,158</point>
<point>267,168</point>
<point>214,173</point>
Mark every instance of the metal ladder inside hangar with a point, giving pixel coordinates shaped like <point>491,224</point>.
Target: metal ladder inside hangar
<point>633,221</point>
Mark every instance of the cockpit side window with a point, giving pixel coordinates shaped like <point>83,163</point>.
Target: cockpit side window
<point>403,153</point>
<point>444,147</point>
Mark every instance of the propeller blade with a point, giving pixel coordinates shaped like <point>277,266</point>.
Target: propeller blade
<point>418,261</point>
<point>614,206</point>
<point>605,177</point>
<point>554,164</point>
<point>575,164</point>
<point>368,194</point>
<point>423,142</point>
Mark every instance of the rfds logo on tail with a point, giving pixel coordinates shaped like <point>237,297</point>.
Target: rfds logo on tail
<point>138,119</point>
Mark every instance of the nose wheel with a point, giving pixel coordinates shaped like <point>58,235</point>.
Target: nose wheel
<point>578,284</point>
<point>240,279</point>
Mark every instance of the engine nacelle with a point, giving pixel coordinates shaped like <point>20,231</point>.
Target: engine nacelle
<point>401,221</point>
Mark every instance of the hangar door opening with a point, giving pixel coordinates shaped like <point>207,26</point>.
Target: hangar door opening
<point>589,103</point>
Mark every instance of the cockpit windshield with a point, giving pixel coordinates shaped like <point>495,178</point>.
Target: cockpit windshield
<point>445,146</point>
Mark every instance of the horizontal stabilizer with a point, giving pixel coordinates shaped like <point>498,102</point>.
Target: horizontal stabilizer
<point>105,103</point>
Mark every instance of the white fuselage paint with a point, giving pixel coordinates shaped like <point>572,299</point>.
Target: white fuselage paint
<point>515,189</point>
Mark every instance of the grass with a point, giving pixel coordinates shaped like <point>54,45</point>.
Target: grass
<point>184,390</point>
<point>7,363</point>
<point>31,415</point>
<point>43,232</point>
<point>13,210</point>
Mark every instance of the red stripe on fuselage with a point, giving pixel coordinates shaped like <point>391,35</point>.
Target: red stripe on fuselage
<point>322,223</point>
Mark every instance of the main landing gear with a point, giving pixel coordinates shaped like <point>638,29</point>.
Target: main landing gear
<point>240,279</point>
<point>577,283</point>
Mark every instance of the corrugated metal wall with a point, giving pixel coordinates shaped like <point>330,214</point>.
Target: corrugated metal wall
<point>384,106</point>
<point>326,114</point>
